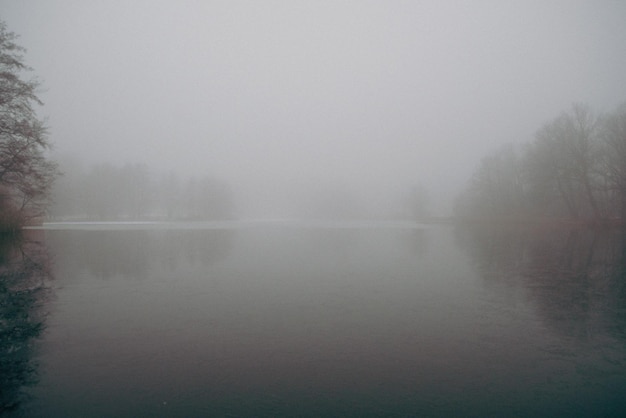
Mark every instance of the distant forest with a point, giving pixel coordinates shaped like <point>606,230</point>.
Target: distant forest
<point>573,170</point>
<point>106,192</point>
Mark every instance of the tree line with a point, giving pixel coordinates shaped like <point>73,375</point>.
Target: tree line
<point>106,192</point>
<point>574,169</point>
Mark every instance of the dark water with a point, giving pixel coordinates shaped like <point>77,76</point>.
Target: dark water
<point>320,320</point>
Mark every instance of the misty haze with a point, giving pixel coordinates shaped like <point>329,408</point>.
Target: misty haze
<point>312,208</point>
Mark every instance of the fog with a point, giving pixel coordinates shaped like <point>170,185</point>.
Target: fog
<point>284,100</point>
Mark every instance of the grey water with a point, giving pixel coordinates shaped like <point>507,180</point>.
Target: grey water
<point>325,319</point>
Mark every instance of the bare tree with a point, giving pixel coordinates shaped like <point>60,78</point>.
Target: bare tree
<point>496,191</point>
<point>25,172</point>
<point>563,161</point>
<point>614,138</point>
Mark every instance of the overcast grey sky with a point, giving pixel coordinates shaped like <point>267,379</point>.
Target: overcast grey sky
<point>373,96</point>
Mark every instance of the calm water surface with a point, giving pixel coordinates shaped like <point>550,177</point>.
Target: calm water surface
<point>275,319</point>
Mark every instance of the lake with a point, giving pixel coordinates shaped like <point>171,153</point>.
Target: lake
<point>318,319</point>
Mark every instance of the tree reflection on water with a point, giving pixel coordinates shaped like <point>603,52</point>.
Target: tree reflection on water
<point>24,272</point>
<point>131,253</point>
<point>574,277</point>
